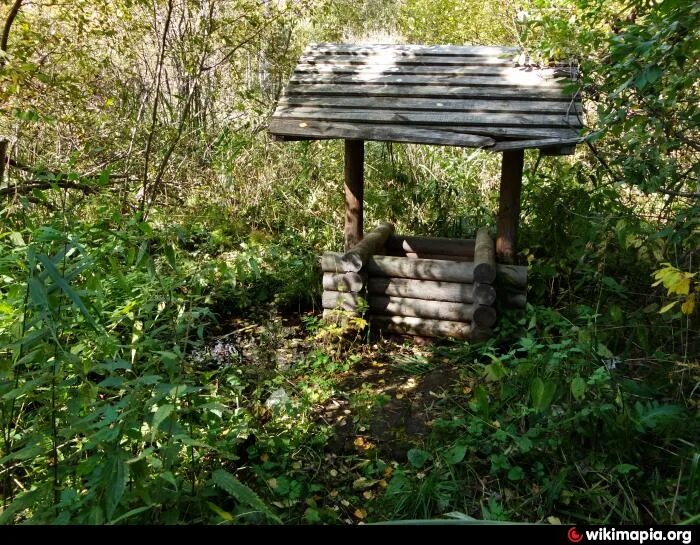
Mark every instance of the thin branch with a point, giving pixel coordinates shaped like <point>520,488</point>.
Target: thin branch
<point>683,194</point>
<point>154,116</point>
<point>14,10</point>
<point>37,184</point>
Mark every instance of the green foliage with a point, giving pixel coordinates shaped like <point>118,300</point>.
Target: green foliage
<point>148,223</point>
<point>458,22</point>
<point>575,439</point>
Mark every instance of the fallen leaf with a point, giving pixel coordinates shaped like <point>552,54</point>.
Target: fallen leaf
<point>360,513</point>
<point>363,483</point>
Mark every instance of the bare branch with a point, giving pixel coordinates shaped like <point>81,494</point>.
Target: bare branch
<point>14,10</point>
<point>154,116</point>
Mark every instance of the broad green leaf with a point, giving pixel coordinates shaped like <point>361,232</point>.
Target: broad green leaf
<point>22,502</point>
<point>455,454</point>
<point>160,415</point>
<point>495,371</point>
<point>516,473</point>
<point>243,494</point>
<point>542,393</point>
<point>131,513</point>
<point>625,469</point>
<point>25,453</point>
<point>578,388</point>
<point>417,457</point>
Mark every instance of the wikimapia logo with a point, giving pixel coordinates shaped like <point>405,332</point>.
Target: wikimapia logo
<point>636,536</point>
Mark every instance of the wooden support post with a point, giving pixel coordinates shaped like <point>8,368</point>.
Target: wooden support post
<point>509,205</point>
<point>354,191</point>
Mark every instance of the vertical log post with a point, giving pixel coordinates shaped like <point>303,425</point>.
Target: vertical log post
<point>354,191</point>
<point>509,205</point>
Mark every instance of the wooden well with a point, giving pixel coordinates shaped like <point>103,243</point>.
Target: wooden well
<point>433,287</point>
<point>491,98</point>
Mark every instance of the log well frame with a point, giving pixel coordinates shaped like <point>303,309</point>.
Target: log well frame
<point>422,295</point>
<point>491,98</point>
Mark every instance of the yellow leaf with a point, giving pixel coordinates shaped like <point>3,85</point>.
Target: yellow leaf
<point>682,286</point>
<point>360,513</point>
<point>688,305</point>
<point>668,307</point>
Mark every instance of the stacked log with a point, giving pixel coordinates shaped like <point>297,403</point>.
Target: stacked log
<point>345,276</point>
<point>427,286</point>
<point>512,285</point>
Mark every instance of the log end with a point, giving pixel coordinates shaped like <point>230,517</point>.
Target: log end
<point>351,262</point>
<point>484,273</point>
<point>484,294</point>
<point>484,316</point>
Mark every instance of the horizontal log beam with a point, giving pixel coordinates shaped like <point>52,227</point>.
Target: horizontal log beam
<point>456,292</point>
<point>435,246</point>
<point>514,300</point>
<point>421,269</point>
<point>403,325</point>
<point>413,255</point>
<point>347,282</point>
<point>481,315</point>
<point>512,275</point>
<point>342,301</point>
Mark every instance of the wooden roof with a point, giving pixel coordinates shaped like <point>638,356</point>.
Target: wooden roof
<point>449,95</point>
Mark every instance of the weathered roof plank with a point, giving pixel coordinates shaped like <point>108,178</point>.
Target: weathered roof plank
<point>476,96</point>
